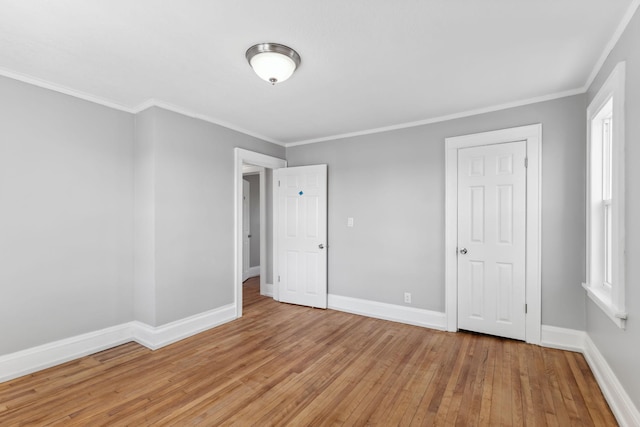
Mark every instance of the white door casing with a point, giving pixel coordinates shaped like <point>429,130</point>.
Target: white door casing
<point>532,134</point>
<point>246,229</point>
<point>242,157</point>
<point>302,235</point>
<point>491,239</point>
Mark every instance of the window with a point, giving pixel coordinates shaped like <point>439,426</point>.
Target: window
<point>605,198</point>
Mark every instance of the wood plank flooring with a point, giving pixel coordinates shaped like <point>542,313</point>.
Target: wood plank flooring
<point>287,365</point>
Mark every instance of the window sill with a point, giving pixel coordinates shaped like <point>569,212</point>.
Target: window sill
<point>603,300</point>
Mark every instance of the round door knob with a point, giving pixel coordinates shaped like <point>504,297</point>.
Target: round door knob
<point>463,251</point>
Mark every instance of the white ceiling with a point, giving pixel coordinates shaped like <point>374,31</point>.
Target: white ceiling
<point>366,64</point>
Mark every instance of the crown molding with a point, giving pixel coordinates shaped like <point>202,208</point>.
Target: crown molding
<point>64,90</point>
<point>152,102</point>
<point>185,112</point>
<point>612,42</point>
<point>460,115</point>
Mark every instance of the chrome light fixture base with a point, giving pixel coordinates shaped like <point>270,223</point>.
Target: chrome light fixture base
<point>273,62</point>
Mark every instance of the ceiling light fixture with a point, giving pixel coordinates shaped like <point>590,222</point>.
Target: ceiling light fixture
<point>273,62</point>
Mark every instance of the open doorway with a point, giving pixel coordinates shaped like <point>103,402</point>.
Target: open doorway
<point>252,221</point>
<point>264,165</point>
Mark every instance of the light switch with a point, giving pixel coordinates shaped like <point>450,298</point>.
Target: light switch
<point>350,222</point>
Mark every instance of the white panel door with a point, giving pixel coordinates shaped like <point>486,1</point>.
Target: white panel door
<point>491,239</point>
<point>302,235</point>
<point>246,228</point>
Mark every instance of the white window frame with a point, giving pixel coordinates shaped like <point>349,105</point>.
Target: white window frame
<point>608,295</point>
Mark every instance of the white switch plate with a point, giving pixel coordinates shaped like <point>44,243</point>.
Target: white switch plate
<point>349,222</point>
<point>407,297</point>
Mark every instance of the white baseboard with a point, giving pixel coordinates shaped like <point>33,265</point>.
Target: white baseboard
<point>34,359</point>
<point>621,404</point>
<point>44,356</point>
<point>157,337</point>
<point>268,290</point>
<point>395,313</point>
<point>251,272</point>
<point>619,401</point>
<point>562,338</point>
<point>27,361</point>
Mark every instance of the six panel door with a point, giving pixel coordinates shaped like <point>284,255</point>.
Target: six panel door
<point>491,239</point>
<point>302,235</point>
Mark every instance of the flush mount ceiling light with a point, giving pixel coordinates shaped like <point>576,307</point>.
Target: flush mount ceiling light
<point>273,62</point>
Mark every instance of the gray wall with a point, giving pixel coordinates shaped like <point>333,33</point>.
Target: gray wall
<point>194,213</point>
<point>621,347</point>
<point>144,291</point>
<point>69,170</point>
<point>393,185</point>
<point>66,224</point>
<point>254,180</point>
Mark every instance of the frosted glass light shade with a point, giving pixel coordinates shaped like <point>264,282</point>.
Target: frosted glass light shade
<point>273,67</point>
<point>273,62</point>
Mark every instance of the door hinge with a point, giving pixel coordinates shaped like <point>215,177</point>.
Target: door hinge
<point>525,309</point>
<point>526,162</point>
<point>278,278</point>
<point>278,183</point>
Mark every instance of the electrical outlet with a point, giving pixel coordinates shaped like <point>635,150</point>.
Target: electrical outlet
<point>349,222</point>
<point>407,297</point>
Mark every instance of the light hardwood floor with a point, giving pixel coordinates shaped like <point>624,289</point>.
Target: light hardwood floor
<point>288,365</point>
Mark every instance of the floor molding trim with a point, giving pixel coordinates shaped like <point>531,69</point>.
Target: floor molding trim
<point>395,313</point>
<point>157,337</point>
<point>254,271</point>
<point>268,291</point>
<point>44,356</point>
<point>251,272</point>
<point>621,404</point>
<point>562,338</point>
<point>34,359</point>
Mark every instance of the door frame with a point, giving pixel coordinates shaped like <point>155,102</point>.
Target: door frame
<point>251,170</point>
<point>245,268</point>
<point>532,134</point>
<point>241,157</point>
